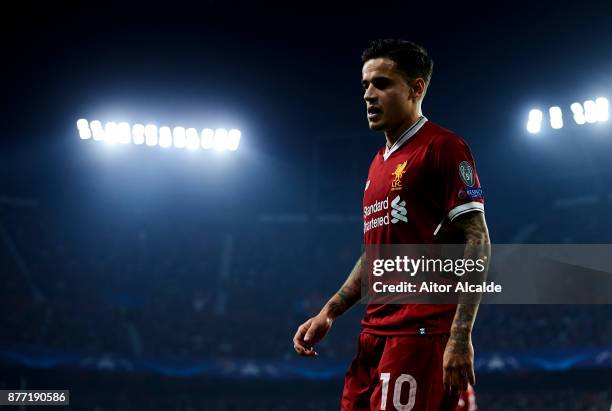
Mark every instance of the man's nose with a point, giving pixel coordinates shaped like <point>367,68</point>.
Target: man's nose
<point>369,95</point>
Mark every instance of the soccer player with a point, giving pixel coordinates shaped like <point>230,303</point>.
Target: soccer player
<point>425,189</point>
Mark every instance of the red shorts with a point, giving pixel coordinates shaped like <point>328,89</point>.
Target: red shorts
<point>397,373</point>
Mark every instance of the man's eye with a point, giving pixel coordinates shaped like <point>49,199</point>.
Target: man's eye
<point>381,84</point>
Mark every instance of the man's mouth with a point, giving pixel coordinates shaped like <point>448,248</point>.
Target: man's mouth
<point>373,112</point>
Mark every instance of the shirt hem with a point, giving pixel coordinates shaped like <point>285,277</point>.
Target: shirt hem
<point>429,331</point>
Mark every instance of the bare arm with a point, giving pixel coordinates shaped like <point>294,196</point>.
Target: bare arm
<point>348,294</point>
<point>317,327</point>
<point>459,353</point>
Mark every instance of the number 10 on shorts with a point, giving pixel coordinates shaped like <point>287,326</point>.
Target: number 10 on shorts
<point>385,377</point>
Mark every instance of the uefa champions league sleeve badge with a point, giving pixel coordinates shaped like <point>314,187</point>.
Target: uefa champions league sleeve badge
<point>466,172</point>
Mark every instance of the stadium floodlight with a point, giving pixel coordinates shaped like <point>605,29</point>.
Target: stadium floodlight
<point>82,123</point>
<point>150,131</point>
<point>165,137</point>
<point>124,133</point>
<point>138,133</point>
<point>208,137</point>
<point>179,137</point>
<point>233,139</point>
<point>111,132</point>
<point>83,127</point>
<point>97,130</point>
<point>534,124</point>
<point>590,111</point>
<point>603,109</point>
<point>578,111</point>
<point>85,133</point>
<point>556,117</point>
<point>220,140</point>
<point>193,140</point>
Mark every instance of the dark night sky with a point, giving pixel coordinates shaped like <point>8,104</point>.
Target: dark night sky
<point>286,70</point>
<point>288,73</point>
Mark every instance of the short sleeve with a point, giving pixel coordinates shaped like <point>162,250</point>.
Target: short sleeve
<point>460,190</point>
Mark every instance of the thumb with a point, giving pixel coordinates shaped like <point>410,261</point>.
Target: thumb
<point>309,334</point>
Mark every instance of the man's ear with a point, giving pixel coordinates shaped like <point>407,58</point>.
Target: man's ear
<point>418,87</point>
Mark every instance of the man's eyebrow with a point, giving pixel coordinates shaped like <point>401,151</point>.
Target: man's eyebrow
<point>365,82</point>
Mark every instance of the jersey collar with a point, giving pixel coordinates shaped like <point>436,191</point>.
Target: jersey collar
<point>412,130</point>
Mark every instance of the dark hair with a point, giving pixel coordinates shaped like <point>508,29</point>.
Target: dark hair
<point>410,58</point>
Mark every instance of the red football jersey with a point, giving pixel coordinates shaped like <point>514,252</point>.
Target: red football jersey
<point>414,189</point>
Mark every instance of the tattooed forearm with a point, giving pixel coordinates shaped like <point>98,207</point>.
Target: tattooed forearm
<point>477,246</point>
<point>349,293</point>
<point>461,330</point>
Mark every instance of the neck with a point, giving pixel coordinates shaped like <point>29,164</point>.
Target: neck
<point>393,135</point>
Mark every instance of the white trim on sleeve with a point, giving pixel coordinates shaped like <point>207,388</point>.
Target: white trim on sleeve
<point>464,208</point>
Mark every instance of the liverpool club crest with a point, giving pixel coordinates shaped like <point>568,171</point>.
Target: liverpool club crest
<point>397,176</point>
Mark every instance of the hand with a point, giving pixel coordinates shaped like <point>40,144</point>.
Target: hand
<point>310,333</point>
<point>458,364</point>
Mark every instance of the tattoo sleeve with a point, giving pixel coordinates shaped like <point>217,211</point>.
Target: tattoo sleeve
<point>477,245</point>
<point>348,294</point>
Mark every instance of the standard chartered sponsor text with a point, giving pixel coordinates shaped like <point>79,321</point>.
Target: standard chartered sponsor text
<point>375,221</point>
<point>376,207</point>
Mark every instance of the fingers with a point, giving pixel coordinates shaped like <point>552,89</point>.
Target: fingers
<point>300,340</point>
<point>306,352</point>
<point>448,379</point>
<point>463,382</point>
<point>297,338</point>
<point>456,379</point>
<point>472,377</point>
<point>309,334</point>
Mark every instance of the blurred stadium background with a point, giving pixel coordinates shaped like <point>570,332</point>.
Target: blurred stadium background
<point>143,278</point>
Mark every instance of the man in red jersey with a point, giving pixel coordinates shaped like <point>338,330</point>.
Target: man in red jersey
<point>422,188</point>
